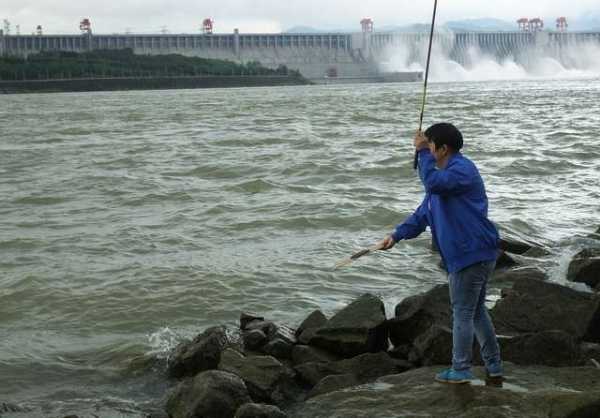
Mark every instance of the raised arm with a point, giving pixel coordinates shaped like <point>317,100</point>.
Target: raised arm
<point>454,179</point>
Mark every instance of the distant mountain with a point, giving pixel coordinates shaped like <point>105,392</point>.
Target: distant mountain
<point>590,22</point>
<point>308,29</point>
<point>483,25</point>
<point>587,23</point>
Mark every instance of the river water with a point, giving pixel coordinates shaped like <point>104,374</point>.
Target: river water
<point>130,220</point>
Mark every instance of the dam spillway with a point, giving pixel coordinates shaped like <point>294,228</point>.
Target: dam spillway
<point>314,54</point>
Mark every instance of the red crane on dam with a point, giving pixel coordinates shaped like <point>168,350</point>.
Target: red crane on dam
<point>207,26</point>
<point>367,25</point>
<point>85,26</point>
<point>561,24</point>
<point>523,24</point>
<point>536,24</point>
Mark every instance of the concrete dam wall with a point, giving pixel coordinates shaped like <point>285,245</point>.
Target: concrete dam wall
<point>314,55</point>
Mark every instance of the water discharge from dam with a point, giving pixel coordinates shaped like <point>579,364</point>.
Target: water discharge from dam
<point>576,61</point>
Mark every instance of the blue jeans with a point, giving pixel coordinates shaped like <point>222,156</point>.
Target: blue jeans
<point>470,317</point>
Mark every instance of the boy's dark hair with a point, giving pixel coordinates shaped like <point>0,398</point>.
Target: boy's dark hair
<point>445,134</point>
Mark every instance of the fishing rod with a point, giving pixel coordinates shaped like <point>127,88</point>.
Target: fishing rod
<point>380,246</point>
<point>416,161</point>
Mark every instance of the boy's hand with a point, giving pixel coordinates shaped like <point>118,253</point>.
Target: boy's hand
<point>387,243</point>
<point>421,141</point>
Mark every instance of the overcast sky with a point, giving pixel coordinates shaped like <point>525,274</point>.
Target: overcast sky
<point>185,16</point>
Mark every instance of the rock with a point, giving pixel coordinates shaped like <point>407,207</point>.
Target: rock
<point>432,347</point>
<point>530,392</point>
<point>214,393</point>
<point>304,354</point>
<point>590,351</point>
<point>279,349</point>
<point>254,339</point>
<point>536,252</point>
<point>548,348</point>
<point>513,246</point>
<point>255,410</point>
<point>504,260</point>
<point>315,320</point>
<point>358,328</point>
<point>533,305</point>
<point>585,268</point>
<point>332,383</point>
<point>203,353</point>
<point>400,351</point>
<point>285,334</point>
<point>416,314</point>
<point>517,274</point>
<point>364,367</point>
<point>246,318</point>
<point>262,374</point>
<point>267,327</point>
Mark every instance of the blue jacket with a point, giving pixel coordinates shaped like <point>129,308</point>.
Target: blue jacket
<point>455,208</point>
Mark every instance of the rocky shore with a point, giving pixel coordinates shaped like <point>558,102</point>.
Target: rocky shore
<point>362,363</point>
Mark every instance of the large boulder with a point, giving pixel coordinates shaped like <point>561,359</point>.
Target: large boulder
<point>306,354</point>
<point>202,353</point>
<point>514,246</point>
<point>332,383</point>
<point>213,393</point>
<point>585,268</point>
<point>533,305</point>
<point>434,346</point>
<point>513,275</point>
<point>265,377</point>
<point>309,326</point>
<point>255,410</point>
<point>530,392</point>
<point>358,328</point>
<point>416,314</point>
<point>364,367</point>
<point>548,348</point>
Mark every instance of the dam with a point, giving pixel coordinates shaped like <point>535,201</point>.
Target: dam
<point>315,55</point>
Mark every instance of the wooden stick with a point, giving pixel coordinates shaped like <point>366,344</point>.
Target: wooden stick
<point>358,254</point>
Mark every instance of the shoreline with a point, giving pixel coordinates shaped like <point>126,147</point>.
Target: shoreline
<point>146,83</point>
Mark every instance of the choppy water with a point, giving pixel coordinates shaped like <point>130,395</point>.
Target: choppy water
<point>131,219</point>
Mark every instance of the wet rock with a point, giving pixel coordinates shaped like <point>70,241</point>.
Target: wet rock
<point>315,320</point>
<point>504,261</point>
<point>246,318</point>
<point>513,246</point>
<point>254,339</point>
<point>279,349</point>
<point>400,351</point>
<point>332,383</point>
<point>585,268</point>
<point>364,367</point>
<point>590,351</point>
<point>261,374</point>
<point>534,305</point>
<point>548,348</point>
<point>432,347</point>
<point>267,327</point>
<point>517,274</point>
<point>529,392</point>
<point>285,334</point>
<point>416,314</point>
<point>255,410</point>
<point>305,354</point>
<point>358,328</point>
<point>212,393</point>
<point>202,353</point>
